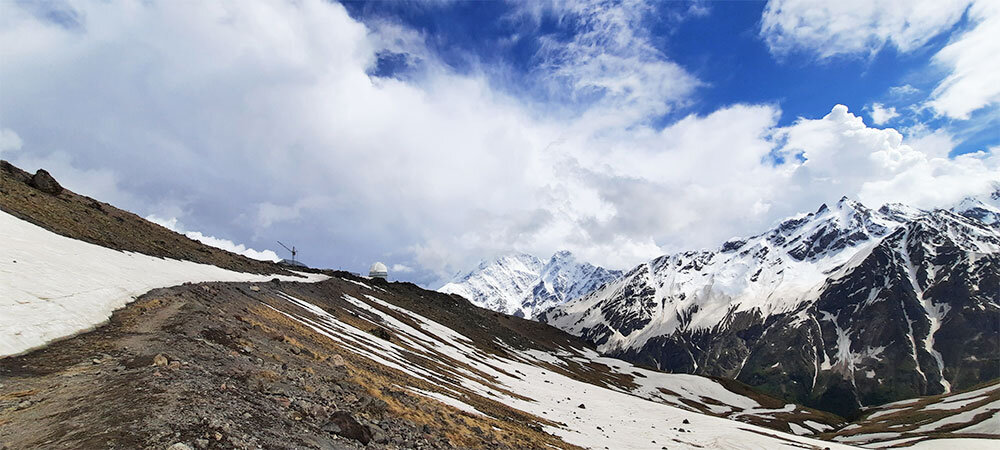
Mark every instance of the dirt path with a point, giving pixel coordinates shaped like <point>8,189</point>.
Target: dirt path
<point>189,364</point>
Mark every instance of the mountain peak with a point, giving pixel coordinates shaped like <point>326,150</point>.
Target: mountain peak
<point>521,284</point>
<point>562,255</point>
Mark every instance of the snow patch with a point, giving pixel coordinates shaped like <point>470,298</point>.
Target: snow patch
<point>55,286</point>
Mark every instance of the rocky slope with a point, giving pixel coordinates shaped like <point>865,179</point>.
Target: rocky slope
<point>838,309</point>
<point>522,285</point>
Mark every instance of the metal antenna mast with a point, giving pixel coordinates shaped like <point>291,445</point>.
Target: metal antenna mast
<point>289,249</point>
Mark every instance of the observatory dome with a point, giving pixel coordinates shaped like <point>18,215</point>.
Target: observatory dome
<point>378,270</point>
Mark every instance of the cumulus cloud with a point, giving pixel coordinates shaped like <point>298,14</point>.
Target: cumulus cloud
<point>840,153</point>
<point>225,244</point>
<point>262,119</point>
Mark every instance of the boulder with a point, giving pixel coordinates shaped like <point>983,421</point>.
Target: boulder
<point>44,182</point>
<point>341,423</point>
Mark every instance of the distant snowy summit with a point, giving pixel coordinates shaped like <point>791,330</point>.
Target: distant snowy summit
<point>838,309</point>
<point>522,285</point>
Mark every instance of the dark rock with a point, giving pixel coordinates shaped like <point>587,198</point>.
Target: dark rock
<point>582,406</point>
<point>341,423</point>
<point>686,422</point>
<point>14,172</point>
<point>44,182</point>
<point>381,333</point>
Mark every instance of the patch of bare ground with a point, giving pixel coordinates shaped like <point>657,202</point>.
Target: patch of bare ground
<point>911,419</point>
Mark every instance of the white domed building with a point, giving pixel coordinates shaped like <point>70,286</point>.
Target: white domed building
<point>378,270</point>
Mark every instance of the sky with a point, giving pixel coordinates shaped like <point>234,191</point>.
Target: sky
<point>431,135</point>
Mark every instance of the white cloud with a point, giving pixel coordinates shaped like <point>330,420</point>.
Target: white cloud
<point>880,166</point>
<point>862,27</point>
<point>973,65</point>
<point>9,141</point>
<point>225,244</point>
<point>881,114</point>
<point>609,60</point>
<point>903,90</point>
<point>260,119</point>
<point>401,268</point>
<point>850,27</point>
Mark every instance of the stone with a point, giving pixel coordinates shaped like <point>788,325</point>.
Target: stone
<point>255,288</point>
<point>582,406</point>
<point>341,423</point>
<point>44,182</point>
<point>179,446</point>
<point>160,361</point>
<point>337,361</point>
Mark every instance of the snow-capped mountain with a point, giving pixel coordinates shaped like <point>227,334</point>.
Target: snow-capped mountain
<point>837,309</point>
<point>521,284</point>
<point>985,208</point>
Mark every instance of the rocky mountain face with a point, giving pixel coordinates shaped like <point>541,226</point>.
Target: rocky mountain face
<point>839,309</point>
<point>521,284</point>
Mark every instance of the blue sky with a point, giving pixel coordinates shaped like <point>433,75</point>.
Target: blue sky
<point>719,43</point>
<point>430,135</point>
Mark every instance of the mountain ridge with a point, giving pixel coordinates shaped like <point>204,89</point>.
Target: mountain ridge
<point>521,284</point>
<point>725,312</point>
